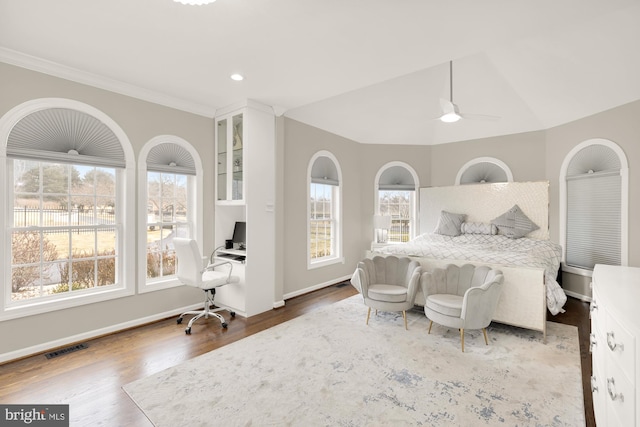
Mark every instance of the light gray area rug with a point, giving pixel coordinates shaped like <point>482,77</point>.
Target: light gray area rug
<point>327,368</point>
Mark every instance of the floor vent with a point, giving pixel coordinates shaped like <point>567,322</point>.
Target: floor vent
<point>67,350</point>
<point>342,285</point>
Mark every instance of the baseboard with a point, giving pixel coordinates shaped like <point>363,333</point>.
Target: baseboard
<point>315,287</point>
<point>47,346</point>
<point>577,296</point>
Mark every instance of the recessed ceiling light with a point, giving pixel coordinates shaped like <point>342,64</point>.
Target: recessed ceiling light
<point>237,77</point>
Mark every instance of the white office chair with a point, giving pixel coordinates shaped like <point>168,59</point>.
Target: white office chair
<point>191,273</point>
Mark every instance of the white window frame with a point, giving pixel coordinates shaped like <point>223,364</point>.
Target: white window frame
<point>624,208</point>
<point>337,257</point>
<point>195,197</point>
<point>413,215</point>
<point>125,219</point>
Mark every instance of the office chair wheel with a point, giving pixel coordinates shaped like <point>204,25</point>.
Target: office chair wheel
<point>224,325</point>
<point>187,331</point>
<point>233,313</point>
<point>179,320</point>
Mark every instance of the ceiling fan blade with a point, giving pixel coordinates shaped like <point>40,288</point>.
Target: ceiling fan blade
<point>486,117</point>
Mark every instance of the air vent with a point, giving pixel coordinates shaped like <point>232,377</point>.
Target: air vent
<point>66,350</point>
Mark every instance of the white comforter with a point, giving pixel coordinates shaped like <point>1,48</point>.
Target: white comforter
<point>492,249</point>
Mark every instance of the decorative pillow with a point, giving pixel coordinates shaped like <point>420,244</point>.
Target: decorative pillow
<point>449,223</point>
<point>514,223</point>
<point>478,228</point>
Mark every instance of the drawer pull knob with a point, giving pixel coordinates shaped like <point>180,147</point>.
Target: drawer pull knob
<point>612,392</point>
<point>594,387</point>
<point>592,342</point>
<point>613,345</point>
<point>592,307</point>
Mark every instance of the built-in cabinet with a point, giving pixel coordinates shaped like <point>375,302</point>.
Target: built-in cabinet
<point>615,331</point>
<point>245,191</point>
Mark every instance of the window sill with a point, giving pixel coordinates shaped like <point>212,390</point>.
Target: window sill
<point>46,306</point>
<point>157,285</point>
<point>325,263</point>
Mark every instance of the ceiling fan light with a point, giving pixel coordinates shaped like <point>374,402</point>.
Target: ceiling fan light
<point>451,117</point>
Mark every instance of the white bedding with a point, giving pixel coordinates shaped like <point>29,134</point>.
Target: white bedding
<point>492,249</point>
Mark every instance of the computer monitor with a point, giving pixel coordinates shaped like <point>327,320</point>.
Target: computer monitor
<point>240,234</point>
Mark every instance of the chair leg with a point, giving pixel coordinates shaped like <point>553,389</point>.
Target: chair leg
<point>368,314</point>
<point>486,341</point>
<point>404,316</point>
<point>462,338</point>
<point>430,325</point>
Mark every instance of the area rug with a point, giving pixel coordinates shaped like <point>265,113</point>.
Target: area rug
<point>327,368</point>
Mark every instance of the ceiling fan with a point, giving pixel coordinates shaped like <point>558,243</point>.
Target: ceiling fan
<point>451,112</point>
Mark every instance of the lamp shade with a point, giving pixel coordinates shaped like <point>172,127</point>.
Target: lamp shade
<point>381,222</point>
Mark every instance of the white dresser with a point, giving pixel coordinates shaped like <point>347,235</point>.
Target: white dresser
<point>615,345</point>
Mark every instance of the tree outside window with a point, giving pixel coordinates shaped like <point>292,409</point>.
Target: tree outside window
<point>63,229</point>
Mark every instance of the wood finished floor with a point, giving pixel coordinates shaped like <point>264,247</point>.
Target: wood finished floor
<point>90,380</point>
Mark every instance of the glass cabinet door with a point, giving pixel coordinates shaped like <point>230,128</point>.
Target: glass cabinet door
<point>222,160</point>
<point>229,151</point>
<point>236,184</point>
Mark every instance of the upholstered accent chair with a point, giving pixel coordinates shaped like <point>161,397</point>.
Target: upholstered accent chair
<point>462,297</point>
<point>389,283</point>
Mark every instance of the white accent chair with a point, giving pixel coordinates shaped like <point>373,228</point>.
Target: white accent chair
<point>191,273</point>
<point>389,283</point>
<point>462,297</point>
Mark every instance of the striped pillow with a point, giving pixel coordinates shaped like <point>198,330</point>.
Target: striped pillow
<point>514,223</point>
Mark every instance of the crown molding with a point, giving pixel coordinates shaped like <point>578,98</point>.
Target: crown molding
<point>44,66</point>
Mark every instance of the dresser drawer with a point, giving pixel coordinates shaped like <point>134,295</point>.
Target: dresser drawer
<point>621,347</point>
<point>620,397</point>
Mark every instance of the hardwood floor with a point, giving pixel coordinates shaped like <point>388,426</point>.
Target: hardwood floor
<point>90,380</point>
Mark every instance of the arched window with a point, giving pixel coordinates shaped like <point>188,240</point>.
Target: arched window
<point>395,185</point>
<point>170,204</point>
<point>324,210</point>
<point>484,170</point>
<point>68,170</point>
<point>594,182</point>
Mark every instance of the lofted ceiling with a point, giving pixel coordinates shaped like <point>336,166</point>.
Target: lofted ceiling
<point>369,70</point>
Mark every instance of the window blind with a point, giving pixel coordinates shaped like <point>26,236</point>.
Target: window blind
<point>324,171</point>
<point>594,219</point>
<point>170,158</point>
<point>396,178</point>
<point>67,136</point>
<point>483,172</point>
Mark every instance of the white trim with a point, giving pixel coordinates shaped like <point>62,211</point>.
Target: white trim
<point>40,348</point>
<point>337,257</point>
<point>414,220</point>
<point>22,60</point>
<point>624,208</point>
<point>315,287</point>
<point>578,296</point>
<point>502,165</point>
<point>196,200</point>
<point>126,215</point>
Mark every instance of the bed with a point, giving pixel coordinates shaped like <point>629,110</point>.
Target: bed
<point>528,259</point>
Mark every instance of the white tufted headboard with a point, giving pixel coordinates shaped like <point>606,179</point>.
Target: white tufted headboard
<point>484,202</point>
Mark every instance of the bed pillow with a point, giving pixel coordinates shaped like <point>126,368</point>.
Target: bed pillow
<point>478,228</point>
<point>449,223</point>
<point>514,223</point>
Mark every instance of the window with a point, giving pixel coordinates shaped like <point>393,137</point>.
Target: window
<point>594,200</point>
<point>170,194</point>
<point>66,169</point>
<point>324,213</point>
<point>396,184</point>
